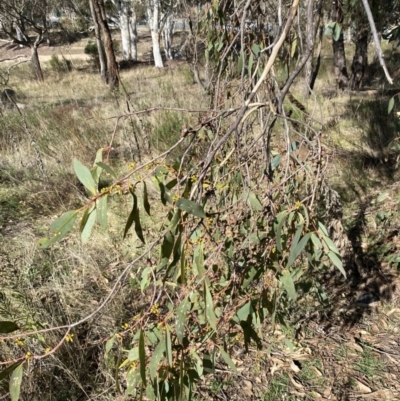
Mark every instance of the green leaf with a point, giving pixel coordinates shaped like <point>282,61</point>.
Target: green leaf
<point>107,169</point>
<point>198,263</point>
<point>176,218</point>
<point>330,244</point>
<point>254,202</point>
<point>337,262</point>
<point>251,61</point>
<point>255,48</point>
<point>316,241</point>
<point>391,105</point>
<point>167,247</point>
<point>275,162</point>
<point>180,319</point>
<point>198,363</point>
<point>280,219</point>
<point>109,345</point>
<point>190,207</point>
<point>383,196</point>
<point>156,358</point>
<point>244,312</point>
<point>211,319</point>
<point>227,359</point>
<point>102,211</point>
<point>5,372</point>
<point>165,196</point>
<point>15,383</point>
<point>146,203</point>
<point>132,380</point>
<point>288,284</point>
<point>8,327</point>
<point>60,227</point>
<point>134,217</point>
<point>96,170</point>
<point>133,354</point>
<point>296,250</point>
<point>142,357</point>
<point>85,177</point>
<point>87,228</point>
<point>168,346</point>
<point>336,32</point>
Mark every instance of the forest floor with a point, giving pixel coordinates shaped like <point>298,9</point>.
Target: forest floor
<point>346,348</point>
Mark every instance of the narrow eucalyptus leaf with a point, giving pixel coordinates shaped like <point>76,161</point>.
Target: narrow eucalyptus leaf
<point>190,207</point>
<point>15,382</point>
<point>146,203</point>
<point>9,369</point>
<point>8,327</point>
<point>295,251</point>
<point>85,177</point>
<point>212,320</point>
<point>168,347</point>
<point>254,202</point>
<point>102,211</point>
<point>156,358</point>
<point>87,229</point>
<point>337,262</point>
<point>391,105</point>
<point>227,359</point>
<point>107,169</point>
<point>181,312</point>
<point>288,284</point>
<point>61,227</point>
<point>142,357</point>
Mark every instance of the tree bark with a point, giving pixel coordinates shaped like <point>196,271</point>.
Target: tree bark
<point>168,32</point>
<point>312,28</point>
<point>134,35</point>
<point>112,68</point>
<point>339,55</point>
<point>360,59</point>
<point>123,12</point>
<point>153,11</point>
<point>99,42</point>
<point>37,69</point>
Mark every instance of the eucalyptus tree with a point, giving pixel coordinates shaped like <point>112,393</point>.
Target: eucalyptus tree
<point>128,26</point>
<point>25,23</point>
<point>110,69</point>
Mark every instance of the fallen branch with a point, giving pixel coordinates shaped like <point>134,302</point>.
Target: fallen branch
<point>376,41</point>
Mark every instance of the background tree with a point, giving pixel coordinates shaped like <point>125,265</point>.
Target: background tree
<point>339,55</point>
<point>24,22</point>
<point>111,73</point>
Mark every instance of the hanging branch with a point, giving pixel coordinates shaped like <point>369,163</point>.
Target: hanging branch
<point>376,41</point>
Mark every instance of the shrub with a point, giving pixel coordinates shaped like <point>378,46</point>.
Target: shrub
<point>60,65</point>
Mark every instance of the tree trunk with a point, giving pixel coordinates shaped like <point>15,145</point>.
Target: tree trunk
<point>100,47</point>
<point>312,28</point>
<point>168,32</point>
<point>153,11</point>
<point>123,11</point>
<point>339,56</point>
<point>112,68</point>
<point>310,44</point>
<point>37,69</point>
<point>134,35</point>
<point>360,59</point>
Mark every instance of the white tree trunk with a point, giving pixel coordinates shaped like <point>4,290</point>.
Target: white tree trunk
<point>153,11</point>
<point>123,8</point>
<point>134,35</point>
<point>168,33</point>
